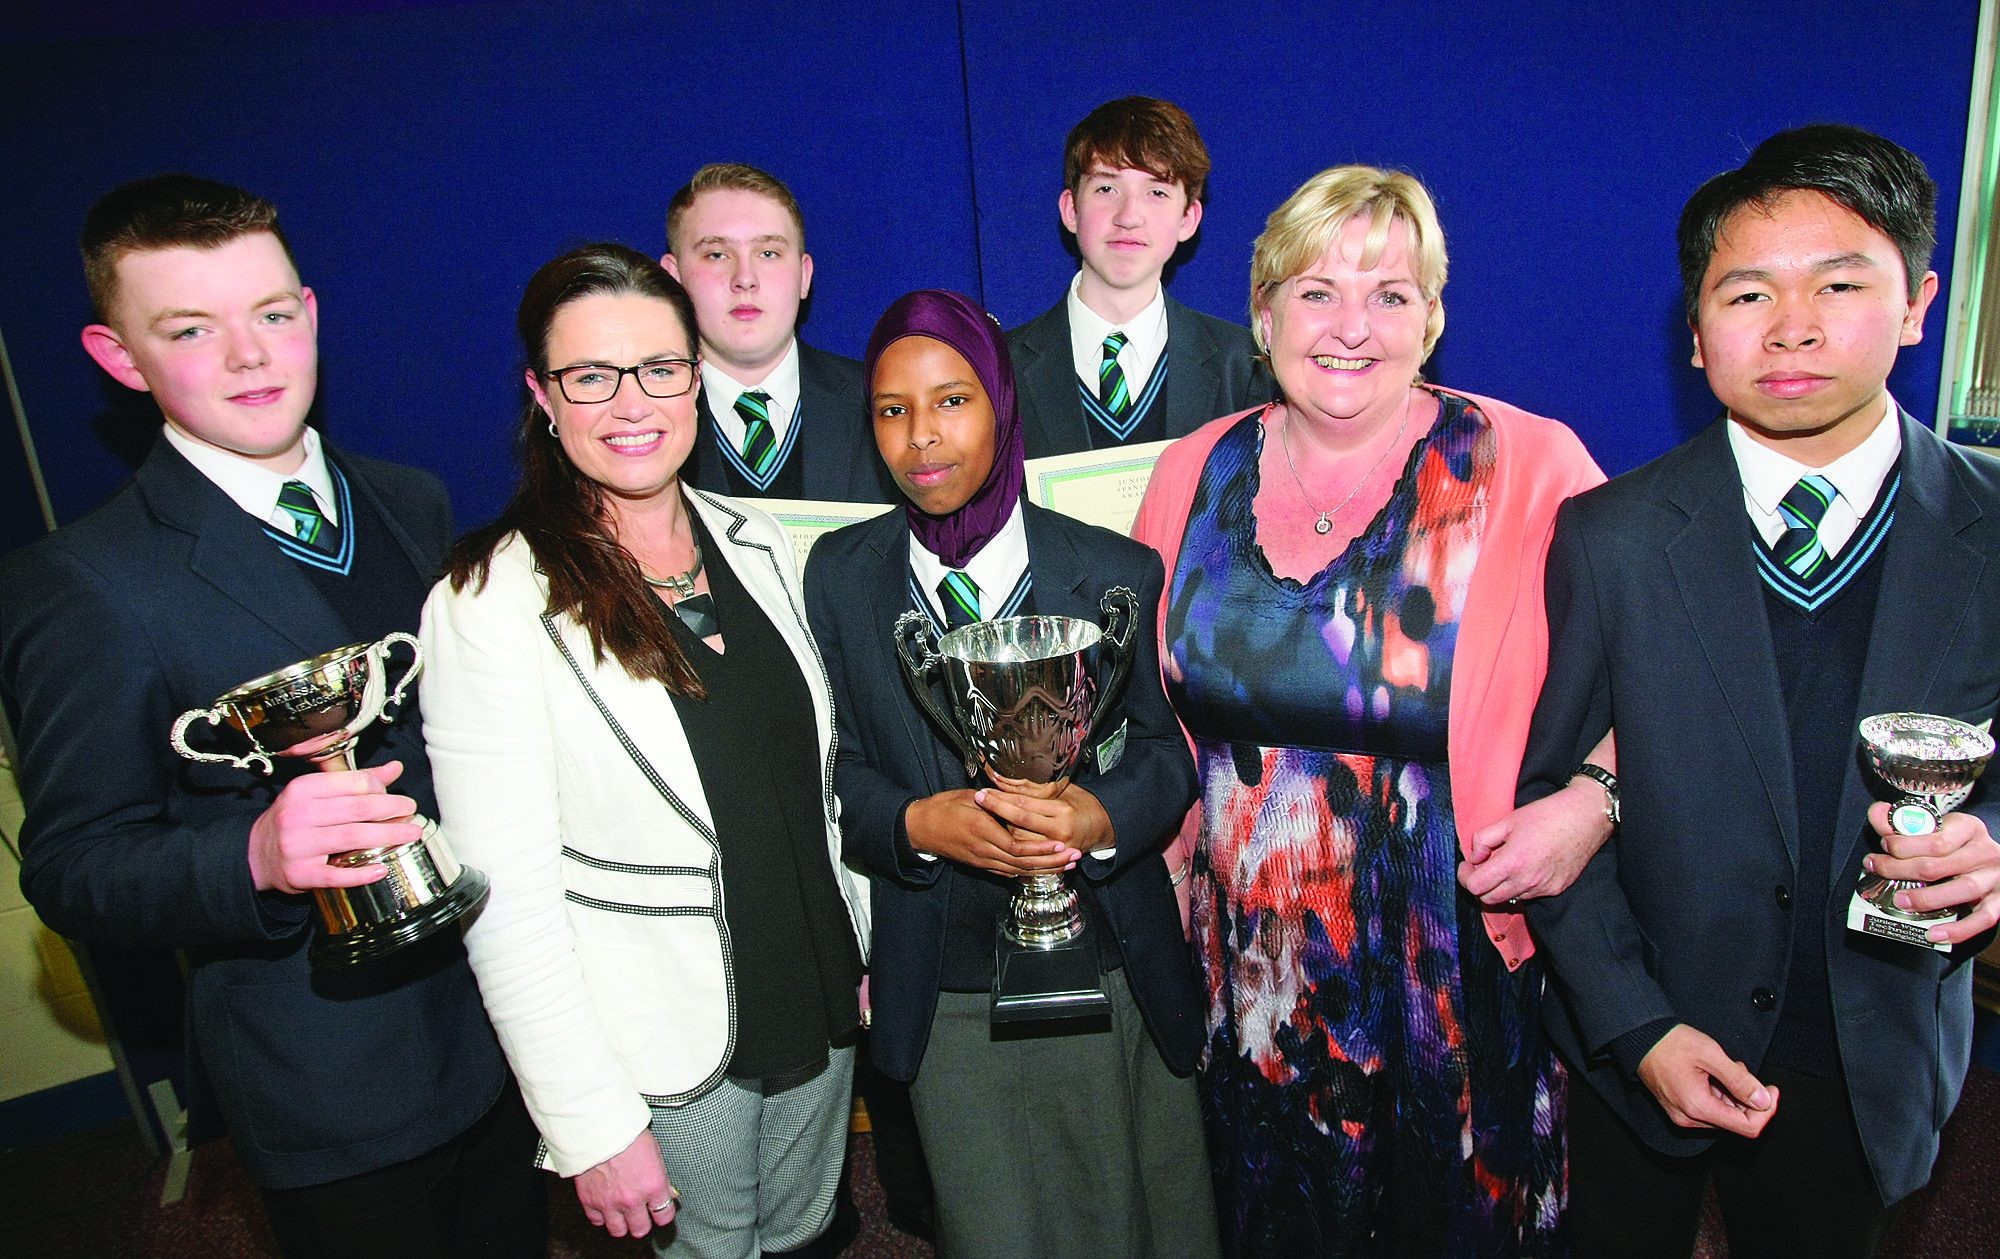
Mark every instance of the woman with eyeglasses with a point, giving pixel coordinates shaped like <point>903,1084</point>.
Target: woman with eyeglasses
<point>632,737</point>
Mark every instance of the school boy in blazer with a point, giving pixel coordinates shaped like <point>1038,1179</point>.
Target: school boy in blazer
<point>1719,1015</point>
<point>1034,1142</point>
<point>368,1103</point>
<point>1117,360</point>
<point>778,418</point>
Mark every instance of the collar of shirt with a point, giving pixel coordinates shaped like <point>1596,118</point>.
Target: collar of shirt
<point>254,487</point>
<point>1145,339</point>
<point>782,384</point>
<point>1768,476</point>
<point>996,569</point>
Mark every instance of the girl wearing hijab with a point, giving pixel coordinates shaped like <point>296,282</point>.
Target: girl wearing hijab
<point>1082,1139</point>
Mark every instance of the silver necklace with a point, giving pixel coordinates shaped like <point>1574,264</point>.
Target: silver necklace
<point>682,584</point>
<point>1325,523</point>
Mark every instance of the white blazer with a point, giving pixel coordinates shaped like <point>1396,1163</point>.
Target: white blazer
<point>602,954</point>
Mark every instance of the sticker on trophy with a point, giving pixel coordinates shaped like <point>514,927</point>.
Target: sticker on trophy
<point>1112,750</point>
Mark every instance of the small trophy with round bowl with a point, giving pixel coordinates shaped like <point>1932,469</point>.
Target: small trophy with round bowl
<point>1026,695</point>
<point>1933,761</point>
<point>316,709</point>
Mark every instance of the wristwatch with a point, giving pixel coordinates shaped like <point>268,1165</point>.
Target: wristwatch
<point>1605,779</point>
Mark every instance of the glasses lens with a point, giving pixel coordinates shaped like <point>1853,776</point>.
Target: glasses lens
<point>667,378</point>
<point>589,384</point>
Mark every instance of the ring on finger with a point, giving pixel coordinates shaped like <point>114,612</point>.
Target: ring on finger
<point>663,1206</point>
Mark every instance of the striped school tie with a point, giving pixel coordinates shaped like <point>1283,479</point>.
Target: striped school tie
<point>958,595</point>
<point>1802,508</point>
<point>1112,390</point>
<point>309,524</point>
<point>760,443</point>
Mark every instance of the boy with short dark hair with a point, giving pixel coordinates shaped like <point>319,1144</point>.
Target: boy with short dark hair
<point>369,1103</point>
<point>1117,360</point>
<point>779,419</point>
<point>1734,609</point>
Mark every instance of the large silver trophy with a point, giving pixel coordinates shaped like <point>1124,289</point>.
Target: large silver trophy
<point>316,709</point>
<point>1934,761</point>
<point>1026,696</point>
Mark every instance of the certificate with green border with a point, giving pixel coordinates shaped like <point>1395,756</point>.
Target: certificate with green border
<point>1099,487</point>
<point>805,520</point>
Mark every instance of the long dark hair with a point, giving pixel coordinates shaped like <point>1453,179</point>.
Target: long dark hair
<point>558,511</point>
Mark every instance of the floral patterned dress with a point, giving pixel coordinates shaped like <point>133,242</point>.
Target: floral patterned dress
<point>1375,1081</point>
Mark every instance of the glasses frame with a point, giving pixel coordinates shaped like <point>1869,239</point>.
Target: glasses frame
<point>562,385</point>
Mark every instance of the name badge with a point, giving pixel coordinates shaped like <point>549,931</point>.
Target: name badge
<point>1112,750</point>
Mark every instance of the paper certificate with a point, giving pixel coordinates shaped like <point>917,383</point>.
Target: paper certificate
<point>806,520</point>
<point>1099,487</point>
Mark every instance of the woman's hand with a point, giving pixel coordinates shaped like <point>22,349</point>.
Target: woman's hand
<point>952,824</point>
<point>628,1193</point>
<point>1539,848</point>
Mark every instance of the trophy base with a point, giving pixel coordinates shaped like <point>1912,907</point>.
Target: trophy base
<point>1872,911</point>
<point>1059,982</point>
<point>377,939</point>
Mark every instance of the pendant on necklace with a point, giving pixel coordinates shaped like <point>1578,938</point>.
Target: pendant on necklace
<point>1324,525</point>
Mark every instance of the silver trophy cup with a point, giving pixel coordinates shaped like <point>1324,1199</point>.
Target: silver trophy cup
<point>1026,695</point>
<point>1933,761</point>
<point>316,709</point>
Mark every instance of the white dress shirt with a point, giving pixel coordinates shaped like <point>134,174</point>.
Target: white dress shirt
<point>1146,340</point>
<point>782,384</point>
<point>254,487</point>
<point>1769,475</point>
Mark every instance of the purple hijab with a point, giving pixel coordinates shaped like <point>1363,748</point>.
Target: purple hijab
<point>964,325</point>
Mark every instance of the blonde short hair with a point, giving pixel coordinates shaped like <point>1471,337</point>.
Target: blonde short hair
<point>1298,233</point>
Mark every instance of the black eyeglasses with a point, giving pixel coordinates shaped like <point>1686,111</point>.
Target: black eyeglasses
<point>598,382</point>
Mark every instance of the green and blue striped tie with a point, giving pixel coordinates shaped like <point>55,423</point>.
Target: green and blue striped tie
<point>309,524</point>
<point>760,443</point>
<point>958,595</point>
<point>1112,390</point>
<point>1804,506</point>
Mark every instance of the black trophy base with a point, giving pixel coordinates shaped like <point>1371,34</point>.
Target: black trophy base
<point>1033,984</point>
<point>378,939</point>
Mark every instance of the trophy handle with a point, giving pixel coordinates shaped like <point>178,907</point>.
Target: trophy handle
<point>1120,611</point>
<point>214,717</point>
<point>918,654</point>
<point>409,674</point>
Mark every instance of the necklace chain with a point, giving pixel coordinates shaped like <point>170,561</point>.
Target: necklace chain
<point>1325,522</point>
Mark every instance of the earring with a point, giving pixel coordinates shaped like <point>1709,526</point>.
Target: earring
<point>552,428</point>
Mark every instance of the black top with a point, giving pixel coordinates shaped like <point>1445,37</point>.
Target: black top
<point>791,945</point>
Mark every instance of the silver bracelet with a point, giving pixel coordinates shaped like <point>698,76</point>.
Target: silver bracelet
<point>1180,876</point>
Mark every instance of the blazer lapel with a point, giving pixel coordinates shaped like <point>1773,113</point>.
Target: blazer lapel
<point>883,597</point>
<point>709,466</point>
<point>1928,576</point>
<point>1053,413</point>
<point>831,445</point>
<point>231,552</point>
<point>1192,381</point>
<point>1060,580</point>
<point>423,560</point>
<point>1715,569</point>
